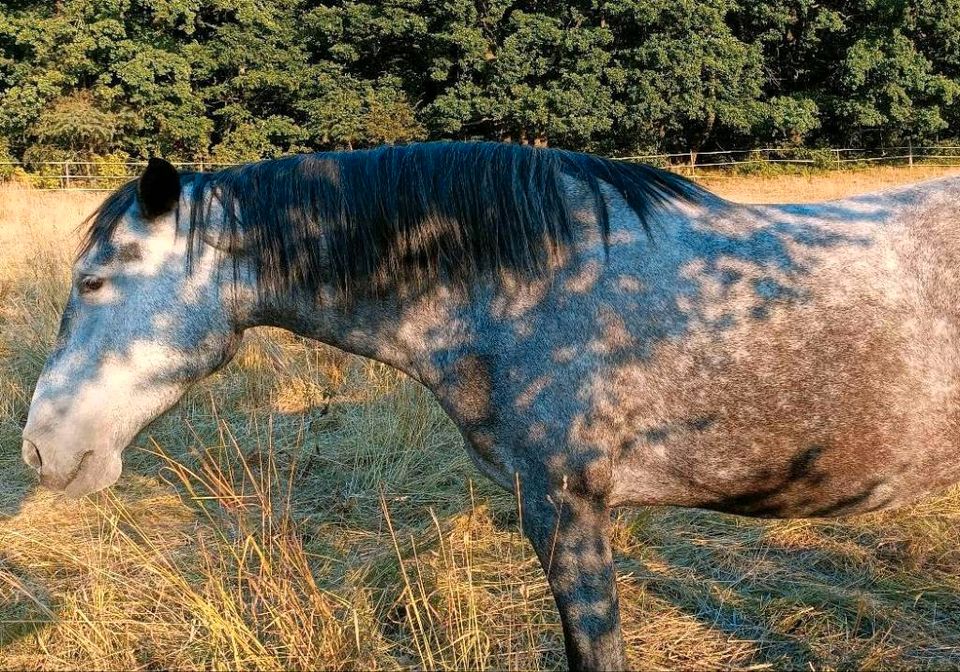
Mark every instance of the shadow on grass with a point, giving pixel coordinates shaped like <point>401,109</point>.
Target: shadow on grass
<point>801,597</point>
<point>15,490</point>
<point>25,607</point>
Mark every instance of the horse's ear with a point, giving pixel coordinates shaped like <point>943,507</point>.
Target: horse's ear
<point>159,188</point>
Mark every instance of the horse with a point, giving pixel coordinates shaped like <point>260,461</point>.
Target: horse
<point>602,333</point>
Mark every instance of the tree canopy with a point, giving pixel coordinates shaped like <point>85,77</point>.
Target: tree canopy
<point>227,81</point>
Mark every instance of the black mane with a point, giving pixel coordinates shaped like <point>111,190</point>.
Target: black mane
<point>368,220</point>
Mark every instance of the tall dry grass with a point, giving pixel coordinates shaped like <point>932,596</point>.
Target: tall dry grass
<point>307,509</point>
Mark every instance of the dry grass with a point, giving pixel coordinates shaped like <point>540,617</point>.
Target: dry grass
<point>818,186</point>
<point>306,509</point>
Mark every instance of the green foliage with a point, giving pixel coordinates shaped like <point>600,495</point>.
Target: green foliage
<point>686,75</point>
<point>520,75</point>
<point>223,81</point>
<point>7,168</point>
<point>873,72</point>
<point>790,119</point>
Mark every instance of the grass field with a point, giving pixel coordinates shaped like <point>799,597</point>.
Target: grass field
<point>308,509</point>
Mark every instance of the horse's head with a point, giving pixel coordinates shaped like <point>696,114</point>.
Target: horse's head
<point>146,317</point>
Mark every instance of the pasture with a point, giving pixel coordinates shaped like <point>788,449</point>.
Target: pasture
<point>308,509</point>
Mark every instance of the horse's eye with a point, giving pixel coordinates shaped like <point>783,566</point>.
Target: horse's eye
<point>90,283</point>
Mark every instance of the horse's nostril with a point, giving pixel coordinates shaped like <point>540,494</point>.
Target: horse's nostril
<point>31,455</point>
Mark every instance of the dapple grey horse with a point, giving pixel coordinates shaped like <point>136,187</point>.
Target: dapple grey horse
<point>603,334</point>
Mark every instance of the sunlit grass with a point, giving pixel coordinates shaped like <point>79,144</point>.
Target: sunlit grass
<point>805,187</point>
<point>307,509</point>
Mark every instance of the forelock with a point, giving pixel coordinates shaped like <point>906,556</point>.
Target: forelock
<point>103,222</point>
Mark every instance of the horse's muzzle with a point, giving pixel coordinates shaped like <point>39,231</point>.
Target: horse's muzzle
<point>31,455</point>
<point>49,478</point>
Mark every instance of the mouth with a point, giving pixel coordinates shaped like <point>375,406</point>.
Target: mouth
<point>63,482</point>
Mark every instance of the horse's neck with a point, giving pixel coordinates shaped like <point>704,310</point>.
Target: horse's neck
<point>404,334</point>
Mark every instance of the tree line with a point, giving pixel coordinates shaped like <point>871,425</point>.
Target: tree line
<point>237,80</point>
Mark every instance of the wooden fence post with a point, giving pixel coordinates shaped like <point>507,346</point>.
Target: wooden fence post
<point>66,174</point>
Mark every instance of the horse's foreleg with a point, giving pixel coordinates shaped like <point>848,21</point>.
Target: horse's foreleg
<point>572,539</point>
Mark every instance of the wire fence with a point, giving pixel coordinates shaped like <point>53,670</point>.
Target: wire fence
<point>105,175</point>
